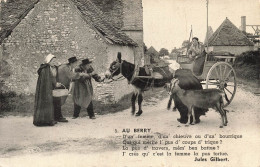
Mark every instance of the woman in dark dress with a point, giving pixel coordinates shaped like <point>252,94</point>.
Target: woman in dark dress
<point>197,54</point>
<point>43,107</point>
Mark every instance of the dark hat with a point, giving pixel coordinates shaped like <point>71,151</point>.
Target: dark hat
<point>195,38</point>
<point>72,60</point>
<point>86,61</point>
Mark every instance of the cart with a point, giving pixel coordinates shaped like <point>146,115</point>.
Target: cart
<point>217,72</point>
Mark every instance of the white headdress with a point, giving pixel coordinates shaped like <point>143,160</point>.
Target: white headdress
<point>49,57</point>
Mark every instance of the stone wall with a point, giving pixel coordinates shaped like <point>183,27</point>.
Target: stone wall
<point>133,25</point>
<point>112,92</point>
<point>53,26</point>
<point>137,36</point>
<point>126,15</point>
<point>133,15</point>
<point>1,52</point>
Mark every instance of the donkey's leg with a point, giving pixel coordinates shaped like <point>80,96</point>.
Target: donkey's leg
<point>169,103</point>
<point>189,113</point>
<point>225,115</point>
<point>193,115</point>
<point>133,102</point>
<point>218,107</point>
<point>140,100</point>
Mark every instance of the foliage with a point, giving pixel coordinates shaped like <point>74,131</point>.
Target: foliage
<point>10,102</point>
<point>175,50</point>
<point>186,44</point>
<point>248,58</point>
<point>145,48</point>
<point>247,65</point>
<point>163,52</point>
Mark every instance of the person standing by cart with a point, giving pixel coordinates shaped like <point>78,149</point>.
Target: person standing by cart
<point>82,92</point>
<point>197,54</point>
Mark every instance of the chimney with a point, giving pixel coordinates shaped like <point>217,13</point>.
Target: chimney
<point>243,23</point>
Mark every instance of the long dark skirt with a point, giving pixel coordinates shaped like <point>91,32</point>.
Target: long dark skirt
<point>198,65</point>
<point>43,107</point>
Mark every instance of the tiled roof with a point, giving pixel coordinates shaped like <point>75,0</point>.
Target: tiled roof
<point>94,16</point>
<point>229,35</point>
<point>152,50</point>
<point>208,34</point>
<point>12,12</point>
<point>113,10</point>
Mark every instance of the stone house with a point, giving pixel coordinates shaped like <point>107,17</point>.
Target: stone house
<point>229,38</point>
<point>151,52</point>
<point>95,29</point>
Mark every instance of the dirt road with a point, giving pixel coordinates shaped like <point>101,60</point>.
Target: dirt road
<point>85,142</point>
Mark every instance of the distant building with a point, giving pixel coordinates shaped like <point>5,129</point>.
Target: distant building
<point>208,35</point>
<point>230,39</point>
<point>150,52</point>
<point>152,57</point>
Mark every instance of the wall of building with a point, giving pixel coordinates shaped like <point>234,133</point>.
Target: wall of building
<point>1,52</point>
<point>113,91</point>
<point>51,27</point>
<point>137,36</point>
<point>133,25</point>
<point>126,15</point>
<point>133,15</point>
<point>56,27</point>
<point>232,49</point>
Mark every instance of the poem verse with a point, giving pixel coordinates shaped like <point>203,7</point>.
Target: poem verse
<point>201,147</point>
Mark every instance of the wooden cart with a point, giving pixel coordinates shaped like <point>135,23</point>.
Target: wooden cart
<point>217,72</point>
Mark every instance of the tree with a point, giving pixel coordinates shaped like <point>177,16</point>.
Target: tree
<point>145,48</point>
<point>174,50</point>
<point>163,52</point>
<point>186,44</point>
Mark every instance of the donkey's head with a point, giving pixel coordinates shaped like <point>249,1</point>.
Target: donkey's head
<point>114,68</point>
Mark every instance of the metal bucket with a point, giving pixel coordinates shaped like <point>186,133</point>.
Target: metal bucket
<point>60,92</point>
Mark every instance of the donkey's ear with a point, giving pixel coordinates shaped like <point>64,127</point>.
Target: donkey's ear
<point>119,57</point>
<point>177,81</point>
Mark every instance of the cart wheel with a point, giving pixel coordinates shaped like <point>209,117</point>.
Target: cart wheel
<point>222,76</point>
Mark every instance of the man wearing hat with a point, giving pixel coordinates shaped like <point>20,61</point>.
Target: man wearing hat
<point>65,75</point>
<point>83,90</point>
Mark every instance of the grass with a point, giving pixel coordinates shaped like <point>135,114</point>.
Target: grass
<point>23,105</point>
<point>13,104</point>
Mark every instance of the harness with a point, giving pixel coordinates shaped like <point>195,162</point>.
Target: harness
<point>119,78</point>
<point>135,75</point>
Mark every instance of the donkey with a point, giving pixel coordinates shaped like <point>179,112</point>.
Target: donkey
<point>140,84</point>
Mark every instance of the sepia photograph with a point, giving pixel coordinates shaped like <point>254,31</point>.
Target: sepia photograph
<point>129,83</point>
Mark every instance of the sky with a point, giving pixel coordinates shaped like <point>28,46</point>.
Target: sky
<point>167,23</point>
